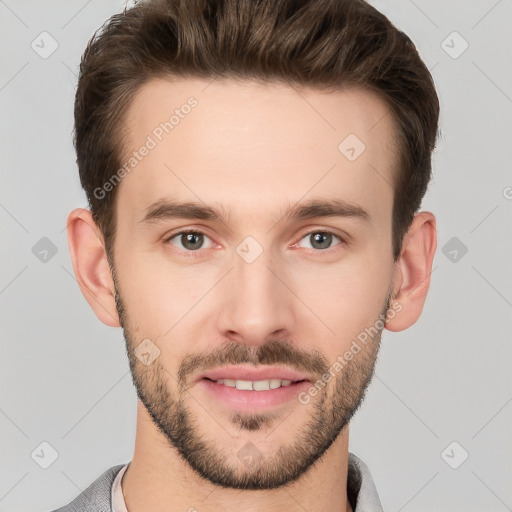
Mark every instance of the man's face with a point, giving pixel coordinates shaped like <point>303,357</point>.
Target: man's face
<point>256,289</point>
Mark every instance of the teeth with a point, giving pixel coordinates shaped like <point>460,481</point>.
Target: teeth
<point>258,385</point>
<point>244,384</point>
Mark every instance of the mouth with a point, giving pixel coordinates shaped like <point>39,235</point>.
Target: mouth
<point>241,375</point>
<point>256,385</point>
<point>251,389</point>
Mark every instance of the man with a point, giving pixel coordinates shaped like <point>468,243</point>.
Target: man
<point>254,172</point>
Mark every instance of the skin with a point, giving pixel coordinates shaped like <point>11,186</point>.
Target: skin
<point>253,149</point>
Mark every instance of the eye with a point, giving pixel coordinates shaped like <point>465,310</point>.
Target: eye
<point>320,240</point>
<point>190,241</point>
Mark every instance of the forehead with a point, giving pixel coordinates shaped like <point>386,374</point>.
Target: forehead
<point>255,146</point>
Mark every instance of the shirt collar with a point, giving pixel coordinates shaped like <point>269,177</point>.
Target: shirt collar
<point>361,490</point>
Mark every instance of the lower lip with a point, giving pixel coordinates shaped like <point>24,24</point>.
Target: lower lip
<point>246,400</point>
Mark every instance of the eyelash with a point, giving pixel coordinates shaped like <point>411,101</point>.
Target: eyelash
<point>192,254</point>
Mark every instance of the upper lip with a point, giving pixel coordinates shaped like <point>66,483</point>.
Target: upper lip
<point>253,374</point>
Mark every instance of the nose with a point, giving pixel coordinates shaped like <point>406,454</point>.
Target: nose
<point>255,302</point>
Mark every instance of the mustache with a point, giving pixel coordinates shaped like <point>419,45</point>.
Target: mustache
<point>275,352</point>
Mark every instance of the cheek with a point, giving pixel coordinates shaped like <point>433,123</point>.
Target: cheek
<point>348,297</point>
<point>158,294</point>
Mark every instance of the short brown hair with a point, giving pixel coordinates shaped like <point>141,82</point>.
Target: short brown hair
<point>325,44</point>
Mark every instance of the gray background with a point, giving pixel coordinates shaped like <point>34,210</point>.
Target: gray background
<point>64,376</point>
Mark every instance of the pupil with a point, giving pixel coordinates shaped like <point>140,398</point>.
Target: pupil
<point>324,239</point>
<point>192,240</point>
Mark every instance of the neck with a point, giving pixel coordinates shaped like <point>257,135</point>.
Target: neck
<point>159,479</point>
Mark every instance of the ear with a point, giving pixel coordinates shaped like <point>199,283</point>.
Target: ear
<point>411,280</point>
<point>92,271</point>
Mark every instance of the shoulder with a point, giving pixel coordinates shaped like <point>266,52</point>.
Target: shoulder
<point>96,498</point>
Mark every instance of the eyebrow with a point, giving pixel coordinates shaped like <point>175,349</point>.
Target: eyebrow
<point>165,209</point>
